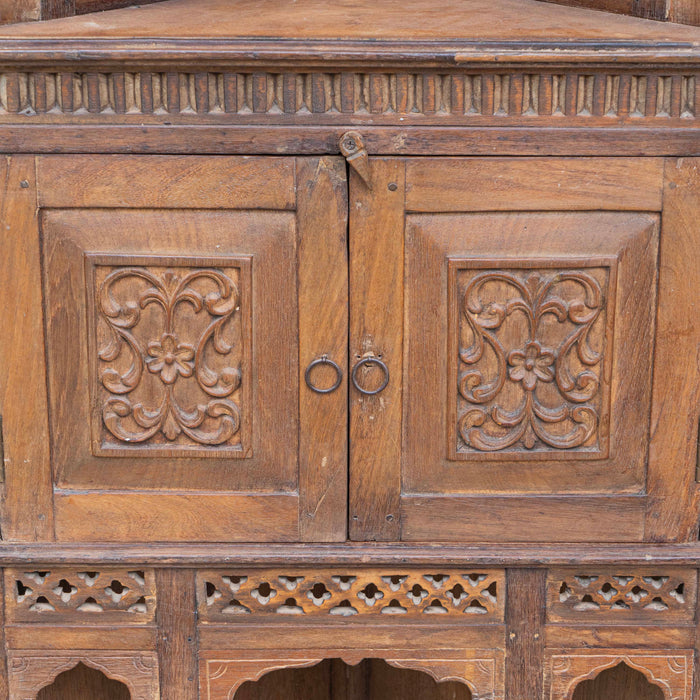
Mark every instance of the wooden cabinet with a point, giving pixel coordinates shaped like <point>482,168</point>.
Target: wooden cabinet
<point>358,336</point>
<point>176,310</point>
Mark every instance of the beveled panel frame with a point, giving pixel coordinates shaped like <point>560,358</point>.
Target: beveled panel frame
<point>626,243</point>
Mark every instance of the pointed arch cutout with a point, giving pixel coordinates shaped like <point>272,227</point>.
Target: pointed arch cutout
<point>89,682</point>
<point>31,671</point>
<point>620,681</point>
<point>478,672</point>
<point>380,680</point>
<point>668,670</point>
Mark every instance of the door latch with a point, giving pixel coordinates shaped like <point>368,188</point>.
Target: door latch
<point>353,148</point>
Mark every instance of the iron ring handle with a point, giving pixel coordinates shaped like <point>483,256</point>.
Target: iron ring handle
<point>323,360</point>
<point>370,361</point>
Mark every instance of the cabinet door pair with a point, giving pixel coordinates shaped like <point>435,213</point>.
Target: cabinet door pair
<point>254,349</point>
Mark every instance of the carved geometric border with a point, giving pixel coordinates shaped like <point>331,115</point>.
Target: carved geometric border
<point>480,669</point>
<point>30,671</point>
<point>672,671</point>
<point>457,96</point>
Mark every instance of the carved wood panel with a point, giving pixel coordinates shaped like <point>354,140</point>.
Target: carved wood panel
<point>455,97</point>
<point>621,596</point>
<point>670,671</point>
<point>470,596</point>
<point>535,329</point>
<point>533,348</point>
<point>29,671</point>
<point>151,323</point>
<point>104,596</point>
<point>170,355</point>
<point>480,669</point>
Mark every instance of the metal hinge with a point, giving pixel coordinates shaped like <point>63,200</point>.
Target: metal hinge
<point>353,148</point>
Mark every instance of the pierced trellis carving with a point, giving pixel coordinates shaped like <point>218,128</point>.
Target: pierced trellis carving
<point>532,353</point>
<point>105,595</point>
<point>470,595</point>
<point>618,596</point>
<point>169,355</point>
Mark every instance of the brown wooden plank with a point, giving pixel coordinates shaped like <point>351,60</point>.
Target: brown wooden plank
<point>675,410</point>
<point>322,214</point>
<point>651,9</point>
<point>165,182</point>
<point>80,637</point>
<point>488,519</point>
<point>314,140</point>
<point>110,517</point>
<point>376,330</point>
<point>490,555</point>
<point>4,686</point>
<point>632,636</point>
<point>177,634</point>
<point>27,514</point>
<point>53,9</point>
<point>493,184</point>
<point>525,606</point>
<point>19,11</point>
<point>684,11</point>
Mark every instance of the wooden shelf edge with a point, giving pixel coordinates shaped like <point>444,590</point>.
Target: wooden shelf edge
<point>192,555</point>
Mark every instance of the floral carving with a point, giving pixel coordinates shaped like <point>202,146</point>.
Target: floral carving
<point>180,325</point>
<point>531,355</point>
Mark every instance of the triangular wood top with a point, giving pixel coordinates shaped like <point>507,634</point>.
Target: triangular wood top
<point>402,20</point>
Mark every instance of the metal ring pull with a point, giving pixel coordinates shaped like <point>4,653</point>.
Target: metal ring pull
<point>370,361</point>
<point>323,360</point>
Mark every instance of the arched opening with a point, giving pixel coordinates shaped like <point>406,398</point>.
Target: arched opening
<point>618,683</point>
<point>332,679</point>
<point>84,682</point>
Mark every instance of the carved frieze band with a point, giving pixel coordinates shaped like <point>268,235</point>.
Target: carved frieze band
<point>617,596</point>
<point>460,95</point>
<point>672,672</point>
<point>532,350</point>
<point>105,595</point>
<point>475,596</point>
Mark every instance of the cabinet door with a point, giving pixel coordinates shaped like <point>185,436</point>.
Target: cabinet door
<point>511,305</point>
<point>183,300</point>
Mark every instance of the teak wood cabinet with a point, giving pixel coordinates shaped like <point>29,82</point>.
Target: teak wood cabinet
<point>345,344</point>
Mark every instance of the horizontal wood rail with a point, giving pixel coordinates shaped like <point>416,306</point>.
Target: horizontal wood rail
<point>196,555</point>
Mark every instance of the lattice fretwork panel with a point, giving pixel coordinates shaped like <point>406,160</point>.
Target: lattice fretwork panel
<point>107,595</point>
<point>621,595</point>
<point>476,596</point>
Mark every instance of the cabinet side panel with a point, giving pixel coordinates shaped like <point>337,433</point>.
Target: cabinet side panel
<point>28,513</point>
<point>675,412</point>
<point>323,327</point>
<point>376,331</point>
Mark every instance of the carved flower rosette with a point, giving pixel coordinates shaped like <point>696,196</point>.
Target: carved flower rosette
<point>169,357</point>
<point>531,356</point>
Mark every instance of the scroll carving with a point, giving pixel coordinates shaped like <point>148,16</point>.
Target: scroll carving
<point>531,351</point>
<point>169,355</point>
